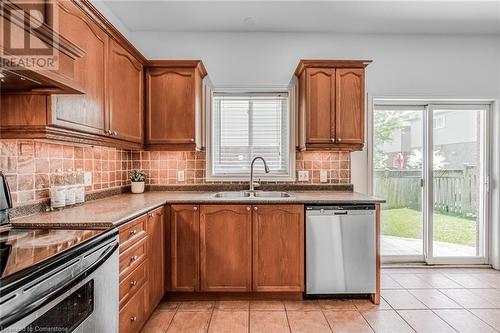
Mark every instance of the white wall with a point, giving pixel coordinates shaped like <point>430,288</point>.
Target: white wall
<point>426,66</point>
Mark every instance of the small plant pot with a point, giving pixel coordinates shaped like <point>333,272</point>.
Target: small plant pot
<point>137,187</point>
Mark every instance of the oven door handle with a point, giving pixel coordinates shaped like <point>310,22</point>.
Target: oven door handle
<point>12,318</point>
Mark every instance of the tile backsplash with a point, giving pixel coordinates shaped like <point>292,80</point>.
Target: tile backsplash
<point>29,163</point>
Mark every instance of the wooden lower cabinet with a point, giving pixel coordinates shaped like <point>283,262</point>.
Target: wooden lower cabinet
<point>156,256</point>
<point>225,248</point>
<point>185,249</point>
<point>278,248</point>
<point>142,269</point>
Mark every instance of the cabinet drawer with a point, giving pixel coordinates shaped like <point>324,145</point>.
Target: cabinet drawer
<point>133,314</point>
<point>132,232</point>
<point>132,257</point>
<point>133,282</point>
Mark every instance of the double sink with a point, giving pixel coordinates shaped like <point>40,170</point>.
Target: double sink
<point>252,194</point>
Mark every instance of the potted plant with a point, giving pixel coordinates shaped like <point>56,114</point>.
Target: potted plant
<point>137,177</point>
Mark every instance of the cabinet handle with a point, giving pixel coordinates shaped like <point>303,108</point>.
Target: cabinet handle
<point>134,258</point>
<point>114,133</point>
<point>150,215</point>
<point>133,232</point>
<point>248,208</point>
<point>195,208</point>
<point>133,283</point>
<point>133,318</point>
<point>333,139</point>
<point>255,208</point>
<point>339,139</point>
<point>192,140</point>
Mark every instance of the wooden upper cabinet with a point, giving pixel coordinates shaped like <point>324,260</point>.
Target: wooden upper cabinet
<point>174,92</point>
<point>320,109</point>
<point>226,247</point>
<point>350,105</point>
<point>86,112</point>
<point>331,104</point>
<point>278,248</point>
<point>156,256</point>
<point>126,107</point>
<point>184,242</point>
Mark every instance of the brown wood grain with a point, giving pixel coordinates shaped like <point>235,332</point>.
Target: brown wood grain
<point>226,248</point>
<point>278,248</point>
<point>134,313</point>
<point>156,257</point>
<point>184,242</point>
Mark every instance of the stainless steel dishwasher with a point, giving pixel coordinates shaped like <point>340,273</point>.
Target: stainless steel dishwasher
<point>340,249</point>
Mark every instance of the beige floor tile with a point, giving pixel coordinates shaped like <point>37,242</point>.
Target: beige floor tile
<point>437,280</point>
<point>386,321</point>
<point>168,305</point>
<point>425,321</point>
<point>268,322</point>
<point>490,316</point>
<point>470,280</point>
<point>347,321</point>
<point>310,305</point>
<point>159,321</point>
<point>190,321</point>
<point>386,282</point>
<point>307,322</point>
<point>464,322</point>
<point>467,299</point>
<point>402,299</point>
<point>270,305</point>
<point>434,299</point>
<point>367,305</point>
<point>232,305</point>
<point>331,304</point>
<point>229,322</point>
<point>196,306</point>
<point>410,281</point>
<point>491,295</point>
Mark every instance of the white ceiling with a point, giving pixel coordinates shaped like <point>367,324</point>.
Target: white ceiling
<point>381,17</point>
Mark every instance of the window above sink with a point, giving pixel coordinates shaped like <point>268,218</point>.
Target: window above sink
<point>243,125</point>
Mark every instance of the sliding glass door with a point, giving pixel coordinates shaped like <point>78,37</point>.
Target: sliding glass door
<point>430,164</point>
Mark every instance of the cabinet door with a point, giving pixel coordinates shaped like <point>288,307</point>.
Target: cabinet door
<point>184,231</point>
<point>278,248</point>
<point>170,110</point>
<point>156,257</point>
<point>86,112</point>
<point>320,105</point>
<point>125,94</point>
<point>350,105</point>
<point>225,247</point>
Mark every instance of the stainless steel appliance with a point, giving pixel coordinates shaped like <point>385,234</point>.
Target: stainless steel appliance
<point>340,249</point>
<point>56,280</point>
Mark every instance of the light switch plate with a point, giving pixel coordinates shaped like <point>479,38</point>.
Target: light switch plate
<point>180,176</point>
<point>87,178</point>
<point>323,176</point>
<point>303,176</point>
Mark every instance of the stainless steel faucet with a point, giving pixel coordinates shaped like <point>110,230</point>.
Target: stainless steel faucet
<point>266,168</point>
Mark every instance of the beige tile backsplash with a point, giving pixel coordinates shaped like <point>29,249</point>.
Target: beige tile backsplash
<point>29,163</point>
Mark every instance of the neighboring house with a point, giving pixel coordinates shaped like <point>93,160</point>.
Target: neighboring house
<point>454,138</point>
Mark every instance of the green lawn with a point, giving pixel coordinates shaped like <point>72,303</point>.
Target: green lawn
<point>405,222</point>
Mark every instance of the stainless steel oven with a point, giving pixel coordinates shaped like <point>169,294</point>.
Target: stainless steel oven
<point>77,291</point>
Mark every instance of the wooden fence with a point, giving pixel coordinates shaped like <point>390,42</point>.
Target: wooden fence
<point>455,190</point>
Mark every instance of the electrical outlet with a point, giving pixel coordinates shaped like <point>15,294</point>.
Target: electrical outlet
<point>323,176</point>
<point>87,178</point>
<point>303,176</point>
<point>180,176</point>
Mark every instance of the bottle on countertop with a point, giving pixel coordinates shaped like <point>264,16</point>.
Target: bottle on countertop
<point>57,189</point>
<point>70,181</point>
<point>80,187</point>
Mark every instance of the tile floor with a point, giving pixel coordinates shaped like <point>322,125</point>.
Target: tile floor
<point>413,300</point>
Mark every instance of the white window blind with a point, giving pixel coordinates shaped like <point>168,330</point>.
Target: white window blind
<point>248,125</point>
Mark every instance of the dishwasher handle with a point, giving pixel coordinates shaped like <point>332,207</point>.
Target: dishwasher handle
<point>340,212</point>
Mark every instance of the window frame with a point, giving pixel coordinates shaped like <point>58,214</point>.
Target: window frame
<point>211,176</point>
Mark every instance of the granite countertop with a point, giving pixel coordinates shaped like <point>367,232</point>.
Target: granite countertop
<point>115,210</point>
